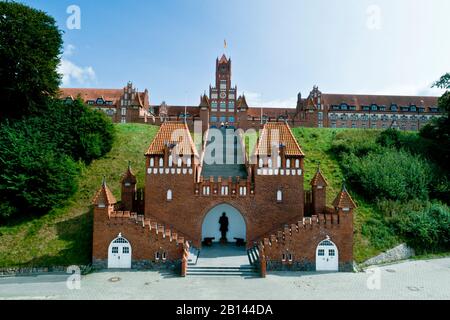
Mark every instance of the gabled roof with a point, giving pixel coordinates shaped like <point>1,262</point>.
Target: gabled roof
<point>283,132</point>
<point>171,134</point>
<point>242,103</point>
<point>319,179</point>
<point>129,176</point>
<point>223,59</point>
<point>344,200</point>
<point>104,196</point>
<point>204,101</point>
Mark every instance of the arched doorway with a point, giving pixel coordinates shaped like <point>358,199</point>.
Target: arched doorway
<point>327,256</point>
<point>237,228</point>
<point>119,253</point>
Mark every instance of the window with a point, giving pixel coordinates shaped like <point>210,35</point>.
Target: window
<point>260,163</point>
<point>231,106</point>
<point>353,124</point>
<point>115,250</point>
<point>320,115</point>
<point>331,252</point>
<point>288,163</point>
<point>223,119</point>
<point>214,96</point>
<point>169,195</point>
<point>161,162</point>
<point>297,163</point>
<point>125,250</point>
<point>152,162</point>
<point>214,106</point>
<point>344,106</point>
<point>394,107</point>
<point>213,119</point>
<point>269,163</point>
<point>123,120</point>
<point>231,97</point>
<point>321,253</point>
<point>242,191</point>
<point>283,257</point>
<point>206,190</point>
<point>366,108</point>
<point>290,257</point>
<point>124,112</point>
<point>223,106</point>
<point>179,162</point>
<point>223,84</point>
<point>157,256</point>
<point>413,108</point>
<point>170,161</point>
<point>374,107</point>
<point>278,162</point>
<point>100,101</point>
<point>189,162</point>
<point>231,119</point>
<point>279,196</point>
<point>164,256</point>
<point>224,190</point>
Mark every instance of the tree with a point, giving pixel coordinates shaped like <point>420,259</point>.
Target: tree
<point>438,130</point>
<point>30,46</point>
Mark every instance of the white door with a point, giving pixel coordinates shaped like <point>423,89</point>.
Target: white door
<point>327,256</point>
<point>119,253</point>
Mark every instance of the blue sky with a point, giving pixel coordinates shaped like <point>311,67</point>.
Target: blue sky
<point>278,48</point>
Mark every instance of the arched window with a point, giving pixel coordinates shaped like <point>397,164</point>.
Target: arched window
<point>179,162</point>
<point>161,162</point>
<point>288,163</point>
<point>169,195</point>
<point>297,163</point>
<point>279,195</point>
<point>189,162</point>
<point>269,163</point>
<point>242,191</point>
<point>261,163</point>
<point>152,162</point>
<point>170,161</point>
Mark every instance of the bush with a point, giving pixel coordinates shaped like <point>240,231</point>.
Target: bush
<point>356,142</point>
<point>426,229</point>
<point>389,174</point>
<point>34,176</point>
<point>77,130</point>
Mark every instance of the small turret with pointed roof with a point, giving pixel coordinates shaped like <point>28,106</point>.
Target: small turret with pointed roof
<point>242,103</point>
<point>319,192</point>
<point>128,189</point>
<point>343,200</point>
<point>204,102</point>
<point>104,197</point>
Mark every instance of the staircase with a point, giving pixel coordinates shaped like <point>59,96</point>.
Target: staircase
<point>235,169</point>
<point>221,261</point>
<point>253,256</point>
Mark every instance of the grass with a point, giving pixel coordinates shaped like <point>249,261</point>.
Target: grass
<point>64,236</point>
<point>373,234</point>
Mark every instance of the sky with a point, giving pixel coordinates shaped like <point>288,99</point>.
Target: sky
<point>278,48</point>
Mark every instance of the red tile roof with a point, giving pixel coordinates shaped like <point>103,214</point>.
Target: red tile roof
<point>168,132</point>
<point>344,200</point>
<point>285,136</point>
<point>319,179</point>
<point>104,196</point>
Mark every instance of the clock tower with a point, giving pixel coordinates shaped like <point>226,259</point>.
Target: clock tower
<point>222,97</point>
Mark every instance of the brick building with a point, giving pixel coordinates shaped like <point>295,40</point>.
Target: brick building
<point>126,105</point>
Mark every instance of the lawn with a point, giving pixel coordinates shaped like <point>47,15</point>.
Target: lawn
<point>63,236</point>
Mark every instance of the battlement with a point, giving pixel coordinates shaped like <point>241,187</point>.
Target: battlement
<point>159,229</point>
<point>321,221</point>
<point>228,187</point>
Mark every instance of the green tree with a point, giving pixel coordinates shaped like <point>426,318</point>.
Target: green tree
<point>30,46</point>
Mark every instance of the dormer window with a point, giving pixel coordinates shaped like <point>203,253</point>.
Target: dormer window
<point>365,108</point>
<point>90,102</point>
<point>413,108</point>
<point>374,107</point>
<point>394,107</point>
<point>100,101</point>
<point>344,106</point>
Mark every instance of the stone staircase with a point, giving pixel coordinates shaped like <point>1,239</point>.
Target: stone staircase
<point>222,262</point>
<point>225,170</point>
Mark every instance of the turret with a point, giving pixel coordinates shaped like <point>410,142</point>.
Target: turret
<point>344,204</point>
<point>103,202</point>
<point>128,189</point>
<point>319,191</point>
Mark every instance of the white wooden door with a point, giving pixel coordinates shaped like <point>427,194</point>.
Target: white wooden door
<point>119,253</point>
<point>327,256</point>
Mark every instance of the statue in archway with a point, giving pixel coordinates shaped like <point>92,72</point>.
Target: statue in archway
<point>223,221</point>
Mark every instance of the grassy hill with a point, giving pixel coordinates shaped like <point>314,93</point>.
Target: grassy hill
<point>63,237</point>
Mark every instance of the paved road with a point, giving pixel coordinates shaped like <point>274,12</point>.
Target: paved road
<point>428,279</point>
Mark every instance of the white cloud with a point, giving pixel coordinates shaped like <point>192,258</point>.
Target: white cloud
<point>72,73</point>
<point>69,50</point>
<point>255,99</point>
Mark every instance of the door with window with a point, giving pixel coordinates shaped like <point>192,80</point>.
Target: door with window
<point>119,253</point>
<point>327,256</point>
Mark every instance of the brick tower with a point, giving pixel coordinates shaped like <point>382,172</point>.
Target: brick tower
<point>128,189</point>
<point>319,191</point>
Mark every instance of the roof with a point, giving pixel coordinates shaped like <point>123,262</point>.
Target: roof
<point>270,112</point>
<point>104,196</point>
<point>176,133</point>
<point>319,179</point>
<point>204,101</point>
<point>129,176</point>
<point>344,200</point>
<point>242,103</point>
<point>223,59</point>
<point>285,137</point>
<point>359,100</point>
